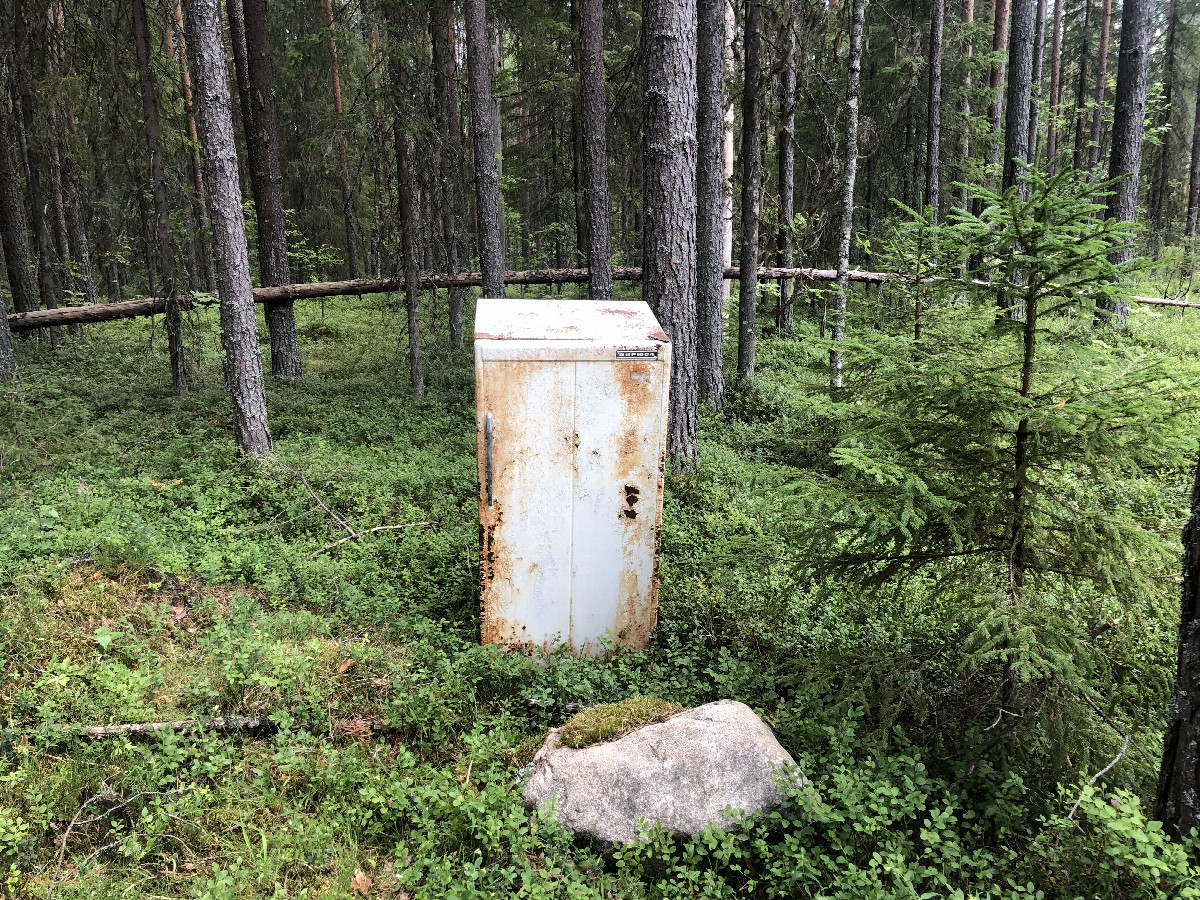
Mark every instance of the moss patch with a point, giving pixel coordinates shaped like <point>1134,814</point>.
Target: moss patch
<point>612,720</point>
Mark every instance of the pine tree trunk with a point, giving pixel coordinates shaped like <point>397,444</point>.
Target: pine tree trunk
<point>1055,84</point>
<point>751,186</point>
<point>8,353</point>
<point>854,71</point>
<point>787,170</point>
<point>933,155</point>
<point>164,248</point>
<point>669,218</point>
<point>595,148</point>
<point>189,106</point>
<point>1193,207</point>
<point>1101,84</point>
<point>239,330</point>
<point>1158,202</point>
<point>1177,799</point>
<point>409,228</point>
<point>485,137</point>
<point>268,186</point>
<point>964,109</point>
<point>13,229</point>
<point>727,153</point>
<point>710,202</point>
<point>1035,93</point>
<point>1078,156</point>
<point>449,115</point>
<point>1129,117</point>
<point>1020,91</point>
<point>340,139</point>
<point>996,79</point>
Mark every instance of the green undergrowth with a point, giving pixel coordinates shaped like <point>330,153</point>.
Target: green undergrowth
<point>149,573</point>
<point>609,721</point>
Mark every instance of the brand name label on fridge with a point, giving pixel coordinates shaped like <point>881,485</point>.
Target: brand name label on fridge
<point>638,354</point>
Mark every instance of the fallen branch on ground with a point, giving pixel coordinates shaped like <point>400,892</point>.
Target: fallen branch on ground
<point>354,536</point>
<point>185,726</point>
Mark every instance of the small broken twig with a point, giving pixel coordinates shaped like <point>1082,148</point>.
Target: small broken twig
<point>358,536</point>
<point>1120,756</point>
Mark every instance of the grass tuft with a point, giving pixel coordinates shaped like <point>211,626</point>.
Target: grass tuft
<point>613,720</point>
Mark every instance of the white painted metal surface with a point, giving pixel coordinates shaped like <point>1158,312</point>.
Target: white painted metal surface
<point>571,400</point>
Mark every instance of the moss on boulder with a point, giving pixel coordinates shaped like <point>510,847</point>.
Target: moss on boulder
<point>612,720</point>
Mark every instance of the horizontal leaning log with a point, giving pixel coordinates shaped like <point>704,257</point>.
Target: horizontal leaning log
<point>151,306</point>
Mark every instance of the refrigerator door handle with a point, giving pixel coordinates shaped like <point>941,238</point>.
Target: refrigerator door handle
<point>488,437</point>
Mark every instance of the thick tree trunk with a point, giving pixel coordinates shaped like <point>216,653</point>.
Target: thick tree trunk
<point>1020,91</point>
<point>854,71</point>
<point>751,185</point>
<point>409,228</point>
<point>268,185</point>
<point>485,138</point>
<point>1193,207</point>
<point>1158,202</point>
<point>1101,84</point>
<point>595,148</point>
<point>8,353</point>
<point>933,153</point>
<point>669,185</point>
<point>710,202</point>
<point>164,249</point>
<point>1035,93</point>
<point>1177,799</point>
<point>1055,84</point>
<point>453,205</point>
<point>342,151</point>
<point>1129,118</point>
<point>239,331</point>
<point>786,149</point>
<point>13,228</point>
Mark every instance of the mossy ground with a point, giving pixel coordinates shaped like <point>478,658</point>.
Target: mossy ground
<point>609,721</point>
<point>149,572</point>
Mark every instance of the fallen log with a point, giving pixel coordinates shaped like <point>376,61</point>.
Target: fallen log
<point>152,306</point>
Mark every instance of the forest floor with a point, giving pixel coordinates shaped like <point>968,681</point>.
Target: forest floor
<point>150,573</point>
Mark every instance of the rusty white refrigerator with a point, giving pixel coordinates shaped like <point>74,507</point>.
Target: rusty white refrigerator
<point>571,412</point>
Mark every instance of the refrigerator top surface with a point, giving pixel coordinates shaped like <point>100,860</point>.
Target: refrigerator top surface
<point>613,324</point>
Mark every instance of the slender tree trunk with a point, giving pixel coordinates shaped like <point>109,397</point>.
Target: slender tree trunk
<point>1193,207</point>
<point>710,202</point>
<point>1020,92</point>
<point>595,148</point>
<point>268,184</point>
<point>964,109</point>
<point>239,331</point>
<point>787,168</point>
<point>1055,84</point>
<point>669,182</point>
<point>409,227</point>
<point>189,106</point>
<point>340,140</point>
<point>8,353</point>
<point>1177,799</point>
<point>1077,158</point>
<point>1158,203</point>
<point>13,229</point>
<point>445,75</point>
<point>727,153</point>
<point>1129,117</point>
<point>1035,93</point>
<point>751,185</point>
<point>996,78</point>
<point>485,136</point>
<point>854,71</point>
<point>933,155</point>
<point>1101,84</point>
<point>164,249</point>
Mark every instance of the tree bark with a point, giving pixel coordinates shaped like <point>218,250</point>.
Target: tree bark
<point>1193,207</point>
<point>197,166</point>
<point>1129,117</point>
<point>710,202</point>
<point>453,206</point>
<point>996,78</point>
<point>933,155</point>
<point>727,153</point>
<point>1035,93</point>
<point>1177,798</point>
<point>340,140</point>
<point>1055,84</point>
<point>409,227</point>
<point>239,331</point>
<point>164,250</point>
<point>964,109</point>
<point>1158,202</point>
<point>595,148</point>
<point>485,137</point>
<point>854,71</point>
<point>1020,91</point>
<point>267,183</point>
<point>669,199</point>
<point>1078,156</point>
<point>787,168</point>
<point>1101,84</point>
<point>13,228</point>
<point>751,185</point>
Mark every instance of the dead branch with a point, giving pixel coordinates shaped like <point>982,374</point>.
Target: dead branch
<point>185,726</point>
<point>1120,756</point>
<point>358,536</point>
